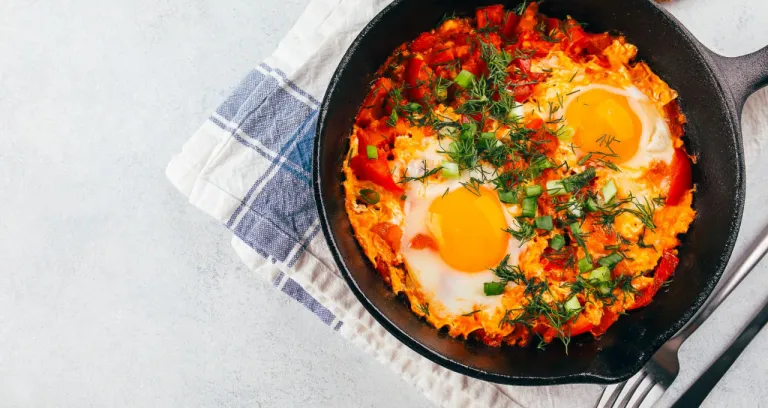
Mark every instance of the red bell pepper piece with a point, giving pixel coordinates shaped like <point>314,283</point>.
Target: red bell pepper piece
<point>375,170</point>
<point>417,76</point>
<point>679,177</point>
<point>664,270</point>
<point>510,24</point>
<point>609,318</point>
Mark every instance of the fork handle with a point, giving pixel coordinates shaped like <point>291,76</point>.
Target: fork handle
<point>732,279</point>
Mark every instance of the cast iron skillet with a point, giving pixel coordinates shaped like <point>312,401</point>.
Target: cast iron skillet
<point>712,92</point>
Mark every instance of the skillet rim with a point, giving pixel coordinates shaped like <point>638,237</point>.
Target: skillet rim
<point>725,93</point>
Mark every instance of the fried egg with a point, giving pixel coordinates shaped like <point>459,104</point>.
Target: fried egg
<point>622,124</point>
<point>452,236</point>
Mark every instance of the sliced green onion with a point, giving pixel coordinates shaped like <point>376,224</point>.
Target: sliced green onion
<point>370,196</point>
<point>533,191</point>
<point>413,107</point>
<point>516,113</point>
<point>602,274</point>
<point>572,305</point>
<point>541,163</point>
<point>450,170</point>
<point>494,288</point>
<point>509,197</point>
<point>566,133</point>
<point>574,207</point>
<point>609,191</point>
<point>557,242</point>
<point>584,264</point>
<point>373,153</point>
<point>393,118</point>
<point>610,260</point>
<point>575,228</point>
<point>604,288</point>
<point>591,205</point>
<point>578,181</point>
<point>555,188</point>
<point>529,207</point>
<point>464,79</point>
<point>544,222</point>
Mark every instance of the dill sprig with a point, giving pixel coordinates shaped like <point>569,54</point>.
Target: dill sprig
<point>525,231</point>
<point>424,176</point>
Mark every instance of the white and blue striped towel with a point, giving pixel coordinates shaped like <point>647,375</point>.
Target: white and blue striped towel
<point>249,167</point>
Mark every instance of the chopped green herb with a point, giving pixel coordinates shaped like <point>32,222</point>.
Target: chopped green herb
<point>494,288</point>
<point>369,196</point>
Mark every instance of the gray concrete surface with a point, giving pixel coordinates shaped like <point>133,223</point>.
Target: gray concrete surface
<point>115,292</point>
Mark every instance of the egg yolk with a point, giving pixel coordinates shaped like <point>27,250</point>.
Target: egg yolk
<point>469,229</point>
<point>604,123</point>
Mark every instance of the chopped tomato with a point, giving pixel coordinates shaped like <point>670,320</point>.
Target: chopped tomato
<point>551,23</point>
<point>540,47</point>
<point>546,142</point>
<point>462,51</point>
<point>375,170</point>
<point>522,92</point>
<point>534,123</point>
<point>490,16</point>
<point>423,42</point>
<point>442,56</point>
<point>524,65</point>
<point>475,66</point>
<point>546,332</point>
<point>372,107</point>
<point>580,325</point>
<point>390,233</point>
<point>493,39</point>
<point>378,133</point>
<point>417,76</point>
<point>609,318</point>
<point>510,24</point>
<point>576,38</point>
<point>664,270</point>
<point>679,177</point>
<point>421,241</point>
<point>382,267</point>
<point>527,21</point>
<point>493,340</point>
<point>555,260</point>
<point>599,42</point>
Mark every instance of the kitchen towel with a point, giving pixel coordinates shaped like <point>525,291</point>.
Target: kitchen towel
<point>249,166</point>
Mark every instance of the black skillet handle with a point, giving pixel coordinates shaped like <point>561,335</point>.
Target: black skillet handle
<point>744,75</point>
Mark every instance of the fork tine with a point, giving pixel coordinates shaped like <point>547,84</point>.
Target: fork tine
<point>610,393</point>
<point>629,389</point>
<point>642,391</point>
<point>653,396</point>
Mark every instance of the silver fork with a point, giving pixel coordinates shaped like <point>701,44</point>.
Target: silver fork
<point>647,386</point>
